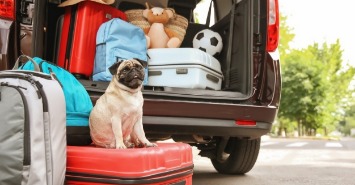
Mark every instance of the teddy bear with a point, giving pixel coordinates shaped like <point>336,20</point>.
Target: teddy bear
<point>160,33</point>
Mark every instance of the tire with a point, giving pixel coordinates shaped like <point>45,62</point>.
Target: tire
<point>237,157</point>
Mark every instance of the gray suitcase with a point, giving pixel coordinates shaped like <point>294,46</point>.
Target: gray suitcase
<point>33,129</point>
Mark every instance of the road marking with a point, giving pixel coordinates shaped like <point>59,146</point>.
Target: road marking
<point>267,143</point>
<point>333,145</point>
<point>297,144</point>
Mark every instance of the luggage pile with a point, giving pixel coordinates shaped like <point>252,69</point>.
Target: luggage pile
<point>44,109</point>
<point>34,103</point>
<point>108,35</point>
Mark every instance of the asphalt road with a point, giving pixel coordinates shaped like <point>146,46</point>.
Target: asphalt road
<point>289,162</point>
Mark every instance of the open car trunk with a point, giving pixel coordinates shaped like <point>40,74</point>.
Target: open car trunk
<point>237,21</point>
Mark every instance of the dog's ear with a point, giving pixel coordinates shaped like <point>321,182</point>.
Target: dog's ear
<point>143,63</point>
<point>114,67</point>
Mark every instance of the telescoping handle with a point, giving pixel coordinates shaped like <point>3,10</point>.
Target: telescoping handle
<point>36,67</point>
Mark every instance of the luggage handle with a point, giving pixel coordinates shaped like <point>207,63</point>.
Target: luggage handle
<point>36,67</point>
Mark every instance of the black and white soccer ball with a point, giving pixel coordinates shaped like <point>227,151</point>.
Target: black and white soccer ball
<point>208,41</point>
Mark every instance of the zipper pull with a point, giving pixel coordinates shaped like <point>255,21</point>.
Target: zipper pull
<point>0,90</point>
<point>34,84</point>
<point>9,85</point>
<point>54,76</point>
<point>2,84</point>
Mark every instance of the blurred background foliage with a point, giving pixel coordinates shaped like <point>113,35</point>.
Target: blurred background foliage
<point>317,91</point>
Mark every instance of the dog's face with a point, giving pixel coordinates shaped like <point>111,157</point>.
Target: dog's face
<point>128,72</point>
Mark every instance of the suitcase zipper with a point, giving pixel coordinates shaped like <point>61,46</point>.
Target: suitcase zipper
<point>28,76</point>
<point>39,89</point>
<point>27,138</point>
<point>156,178</point>
<point>37,74</point>
<point>115,180</point>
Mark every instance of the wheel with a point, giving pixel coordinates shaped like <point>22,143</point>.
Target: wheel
<point>236,156</point>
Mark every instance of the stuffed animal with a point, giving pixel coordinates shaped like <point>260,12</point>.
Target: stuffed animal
<point>159,35</point>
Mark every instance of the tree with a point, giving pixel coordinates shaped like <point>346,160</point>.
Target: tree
<point>348,122</point>
<point>314,83</point>
<point>303,88</point>
<point>286,37</point>
<point>339,76</point>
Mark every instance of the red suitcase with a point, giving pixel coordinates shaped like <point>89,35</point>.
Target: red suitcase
<point>169,163</point>
<point>78,40</point>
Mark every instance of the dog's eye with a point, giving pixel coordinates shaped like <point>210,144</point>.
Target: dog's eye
<point>138,66</point>
<point>125,69</point>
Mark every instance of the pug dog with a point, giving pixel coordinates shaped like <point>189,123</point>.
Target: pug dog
<point>116,119</point>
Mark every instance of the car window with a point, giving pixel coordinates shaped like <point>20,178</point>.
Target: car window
<point>201,12</point>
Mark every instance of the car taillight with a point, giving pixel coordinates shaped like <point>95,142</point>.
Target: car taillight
<point>245,123</point>
<point>273,25</point>
<point>7,9</point>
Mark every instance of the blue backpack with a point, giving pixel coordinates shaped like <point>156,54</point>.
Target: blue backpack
<point>118,40</point>
<point>77,99</point>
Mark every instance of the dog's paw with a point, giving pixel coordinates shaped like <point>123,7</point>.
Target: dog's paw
<point>129,144</point>
<point>109,146</point>
<point>139,145</point>
<point>121,146</point>
<point>150,145</point>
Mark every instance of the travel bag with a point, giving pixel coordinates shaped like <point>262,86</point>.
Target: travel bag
<point>77,99</point>
<point>118,40</point>
<point>183,68</point>
<point>32,134</point>
<point>77,42</point>
<point>168,163</point>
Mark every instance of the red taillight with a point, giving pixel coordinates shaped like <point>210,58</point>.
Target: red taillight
<point>245,123</point>
<point>7,9</point>
<point>273,25</point>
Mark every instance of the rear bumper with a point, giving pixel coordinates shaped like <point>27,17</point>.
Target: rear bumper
<point>208,110</point>
<point>174,117</point>
<point>202,127</point>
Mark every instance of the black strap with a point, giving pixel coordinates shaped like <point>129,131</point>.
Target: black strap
<point>209,14</point>
<point>70,35</point>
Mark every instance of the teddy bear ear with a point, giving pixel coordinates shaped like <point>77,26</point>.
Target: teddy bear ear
<point>170,12</point>
<point>146,11</point>
<point>148,6</point>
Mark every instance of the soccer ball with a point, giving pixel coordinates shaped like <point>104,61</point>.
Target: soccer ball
<point>208,41</point>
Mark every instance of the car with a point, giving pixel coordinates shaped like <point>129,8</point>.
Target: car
<point>225,125</point>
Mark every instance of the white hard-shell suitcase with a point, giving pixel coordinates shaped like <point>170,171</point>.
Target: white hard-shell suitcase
<point>33,129</point>
<point>183,68</point>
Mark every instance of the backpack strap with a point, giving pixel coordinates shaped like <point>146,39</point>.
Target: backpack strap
<point>16,66</point>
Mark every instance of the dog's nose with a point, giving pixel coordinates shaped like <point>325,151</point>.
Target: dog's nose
<point>135,76</point>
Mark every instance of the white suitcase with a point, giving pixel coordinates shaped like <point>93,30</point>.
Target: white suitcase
<point>183,68</point>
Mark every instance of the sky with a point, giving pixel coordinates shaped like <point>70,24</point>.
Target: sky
<point>318,21</point>
<point>322,21</point>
